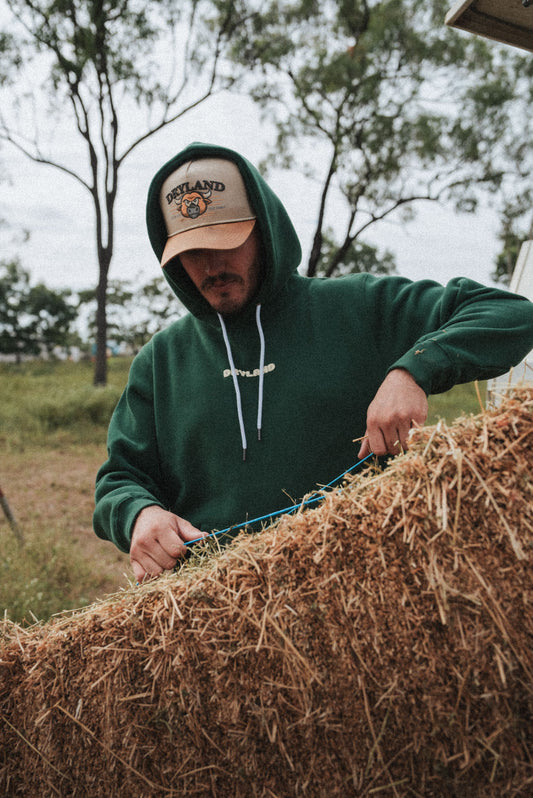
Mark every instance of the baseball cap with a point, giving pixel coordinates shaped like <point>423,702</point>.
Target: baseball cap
<point>205,206</point>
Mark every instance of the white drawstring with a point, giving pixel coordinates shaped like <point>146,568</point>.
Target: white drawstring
<point>236,381</point>
<point>236,386</point>
<point>261,371</point>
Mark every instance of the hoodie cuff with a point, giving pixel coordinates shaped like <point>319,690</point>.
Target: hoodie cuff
<point>429,366</point>
<point>125,518</point>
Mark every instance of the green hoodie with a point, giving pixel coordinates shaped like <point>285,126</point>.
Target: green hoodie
<point>175,439</point>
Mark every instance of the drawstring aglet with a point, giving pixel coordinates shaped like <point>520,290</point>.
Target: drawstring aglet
<point>259,433</point>
<point>243,455</point>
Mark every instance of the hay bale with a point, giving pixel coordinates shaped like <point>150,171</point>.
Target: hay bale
<point>380,644</point>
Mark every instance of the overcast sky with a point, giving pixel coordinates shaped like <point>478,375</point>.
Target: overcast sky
<point>58,213</point>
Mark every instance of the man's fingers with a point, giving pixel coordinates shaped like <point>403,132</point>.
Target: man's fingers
<point>377,440</point>
<point>391,438</point>
<point>399,404</point>
<point>365,448</point>
<point>168,546</point>
<point>158,541</point>
<point>403,433</point>
<point>145,568</point>
<point>381,440</point>
<point>188,532</point>
<point>161,556</point>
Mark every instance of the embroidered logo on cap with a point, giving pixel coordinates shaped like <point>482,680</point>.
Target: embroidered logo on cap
<point>205,205</point>
<point>193,202</point>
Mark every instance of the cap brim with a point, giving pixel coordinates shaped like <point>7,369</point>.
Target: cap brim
<point>214,236</point>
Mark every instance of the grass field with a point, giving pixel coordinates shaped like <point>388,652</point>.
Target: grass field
<point>52,440</point>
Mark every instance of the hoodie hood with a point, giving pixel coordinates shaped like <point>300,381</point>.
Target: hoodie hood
<point>281,251</point>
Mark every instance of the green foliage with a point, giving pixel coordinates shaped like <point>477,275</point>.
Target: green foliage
<point>91,64</point>
<point>516,228</point>
<point>383,105</point>
<point>135,312</point>
<point>16,334</point>
<point>35,319</point>
<point>98,43</point>
<point>8,59</point>
<point>32,318</point>
<point>356,257</point>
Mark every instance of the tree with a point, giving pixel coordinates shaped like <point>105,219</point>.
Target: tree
<point>15,327</point>
<point>96,60</point>
<point>516,192</point>
<point>155,307</point>
<point>135,312</point>
<point>383,106</point>
<point>356,258</point>
<point>516,227</point>
<point>33,319</point>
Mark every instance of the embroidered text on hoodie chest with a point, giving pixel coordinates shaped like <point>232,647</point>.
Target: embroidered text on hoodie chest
<point>255,373</point>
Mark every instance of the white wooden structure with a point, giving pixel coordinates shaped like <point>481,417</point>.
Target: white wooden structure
<point>507,21</point>
<point>521,283</point>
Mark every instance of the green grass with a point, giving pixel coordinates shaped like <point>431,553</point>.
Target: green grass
<point>44,577</point>
<point>53,407</point>
<point>50,403</point>
<point>462,400</point>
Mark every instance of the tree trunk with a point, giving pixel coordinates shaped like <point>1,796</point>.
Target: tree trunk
<point>100,366</point>
<point>314,256</point>
<point>318,238</point>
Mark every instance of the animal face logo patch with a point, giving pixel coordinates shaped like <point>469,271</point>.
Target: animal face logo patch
<point>194,204</point>
<point>193,201</point>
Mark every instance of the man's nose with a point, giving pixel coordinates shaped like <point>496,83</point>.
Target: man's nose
<point>214,262</point>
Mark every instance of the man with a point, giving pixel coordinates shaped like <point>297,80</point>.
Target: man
<point>255,397</point>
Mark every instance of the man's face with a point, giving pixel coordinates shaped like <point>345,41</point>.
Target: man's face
<point>226,278</point>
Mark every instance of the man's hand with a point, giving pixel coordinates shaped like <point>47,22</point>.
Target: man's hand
<point>158,541</point>
<point>399,405</point>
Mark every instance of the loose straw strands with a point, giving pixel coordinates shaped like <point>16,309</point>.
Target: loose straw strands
<point>377,644</point>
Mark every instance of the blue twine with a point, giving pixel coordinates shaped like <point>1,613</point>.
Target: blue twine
<point>311,500</point>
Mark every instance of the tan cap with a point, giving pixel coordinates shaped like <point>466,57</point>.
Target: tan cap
<point>205,206</point>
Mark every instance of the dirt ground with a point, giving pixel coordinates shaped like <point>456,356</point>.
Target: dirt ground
<point>54,488</point>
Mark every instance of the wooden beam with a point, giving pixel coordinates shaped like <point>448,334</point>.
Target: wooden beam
<point>507,21</point>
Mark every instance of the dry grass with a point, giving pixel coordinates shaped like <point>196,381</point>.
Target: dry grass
<point>62,564</point>
<point>379,645</point>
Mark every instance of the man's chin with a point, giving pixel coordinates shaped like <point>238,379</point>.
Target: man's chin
<point>226,303</point>
<point>229,307</point>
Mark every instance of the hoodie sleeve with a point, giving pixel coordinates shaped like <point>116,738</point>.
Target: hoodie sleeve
<point>448,335</point>
<point>130,478</point>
